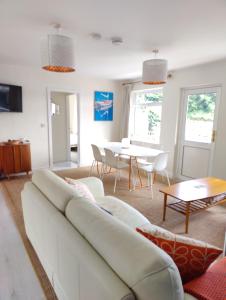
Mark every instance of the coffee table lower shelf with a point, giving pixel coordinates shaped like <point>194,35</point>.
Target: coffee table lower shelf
<point>181,206</point>
<point>188,207</point>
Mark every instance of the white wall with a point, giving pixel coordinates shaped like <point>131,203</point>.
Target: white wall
<point>32,123</point>
<point>59,128</point>
<point>207,74</point>
<point>72,100</point>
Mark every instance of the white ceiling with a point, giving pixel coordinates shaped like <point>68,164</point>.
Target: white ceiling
<point>186,32</point>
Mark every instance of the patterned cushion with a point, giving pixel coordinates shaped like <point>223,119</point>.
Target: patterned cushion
<point>211,285</point>
<point>192,257</point>
<point>81,189</point>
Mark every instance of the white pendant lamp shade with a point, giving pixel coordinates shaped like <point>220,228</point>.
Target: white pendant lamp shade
<point>58,54</point>
<point>154,71</point>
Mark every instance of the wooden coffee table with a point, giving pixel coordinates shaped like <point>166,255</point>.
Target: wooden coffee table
<point>194,195</point>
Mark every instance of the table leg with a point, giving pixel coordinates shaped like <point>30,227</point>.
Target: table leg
<point>138,171</point>
<point>154,177</point>
<point>164,207</point>
<point>187,216</point>
<point>130,169</point>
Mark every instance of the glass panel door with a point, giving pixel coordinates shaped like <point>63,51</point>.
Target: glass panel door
<point>200,117</point>
<point>197,132</point>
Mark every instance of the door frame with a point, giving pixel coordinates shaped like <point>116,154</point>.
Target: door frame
<point>181,126</point>
<point>49,90</point>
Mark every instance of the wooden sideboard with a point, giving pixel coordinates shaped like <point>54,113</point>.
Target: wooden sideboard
<point>15,158</point>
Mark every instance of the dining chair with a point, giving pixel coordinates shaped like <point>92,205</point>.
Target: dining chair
<point>98,158</point>
<point>158,166</point>
<point>113,161</point>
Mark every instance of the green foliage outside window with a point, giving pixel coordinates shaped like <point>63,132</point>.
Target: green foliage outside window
<point>201,107</point>
<point>154,97</point>
<point>146,103</point>
<point>153,120</point>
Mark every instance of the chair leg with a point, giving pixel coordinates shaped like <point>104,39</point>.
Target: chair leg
<point>91,168</point>
<point>119,175</point>
<point>151,183</point>
<point>98,171</point>
<point>116,178</point>
<point>167,177</point>
<point>134,179</point>
<point>102,173</point>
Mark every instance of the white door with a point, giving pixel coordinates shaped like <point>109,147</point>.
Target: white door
<point>197,132</point>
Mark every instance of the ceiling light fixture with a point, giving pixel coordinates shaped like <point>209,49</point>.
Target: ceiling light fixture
<point>154,70</point>
<point>96,36</point>
<point>116,41</point>
<point>58,52</point>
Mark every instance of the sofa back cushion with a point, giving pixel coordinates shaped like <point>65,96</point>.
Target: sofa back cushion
<point>144,267</point>
<point>81,189</point>
<point>55,188</point>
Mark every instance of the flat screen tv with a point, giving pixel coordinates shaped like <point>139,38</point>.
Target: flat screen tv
<point>10,98</point>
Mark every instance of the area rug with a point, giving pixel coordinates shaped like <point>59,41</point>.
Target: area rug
<point>208,225</point>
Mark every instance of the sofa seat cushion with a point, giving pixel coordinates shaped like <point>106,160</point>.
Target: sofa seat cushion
<point>122,211</point>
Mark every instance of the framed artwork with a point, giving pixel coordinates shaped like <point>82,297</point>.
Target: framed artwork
<point>103,106</point>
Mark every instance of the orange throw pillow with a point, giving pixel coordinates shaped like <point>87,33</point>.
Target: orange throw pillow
<point>192,259</point>
<point>211,285</point>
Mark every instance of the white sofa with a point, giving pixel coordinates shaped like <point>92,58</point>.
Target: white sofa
<point>89,254</point>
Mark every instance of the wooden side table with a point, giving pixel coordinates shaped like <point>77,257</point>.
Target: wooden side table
<point>15,158</point>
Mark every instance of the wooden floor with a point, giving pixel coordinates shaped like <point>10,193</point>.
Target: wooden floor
<point>18,280</point>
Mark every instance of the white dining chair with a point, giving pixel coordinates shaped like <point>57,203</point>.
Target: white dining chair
<point>98,158</point>
<point>113,161</point>
<point>158,166</point>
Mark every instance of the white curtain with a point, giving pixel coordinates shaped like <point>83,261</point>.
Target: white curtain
<point>124,132</point>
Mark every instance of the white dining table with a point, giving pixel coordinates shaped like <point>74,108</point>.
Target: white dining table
<point>133,152</point>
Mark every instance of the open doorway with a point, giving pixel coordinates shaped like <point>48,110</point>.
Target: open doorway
<point>63,129</point>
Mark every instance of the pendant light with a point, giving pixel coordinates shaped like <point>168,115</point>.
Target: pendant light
<point>58,53</point>
<point>154,70</point>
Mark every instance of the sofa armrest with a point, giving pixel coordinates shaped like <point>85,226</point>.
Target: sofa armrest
<point>94,184</point>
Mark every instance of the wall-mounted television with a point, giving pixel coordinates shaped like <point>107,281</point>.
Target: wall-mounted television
<point>10,98</point>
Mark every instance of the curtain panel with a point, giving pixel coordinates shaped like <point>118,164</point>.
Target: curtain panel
<point>126,99</point>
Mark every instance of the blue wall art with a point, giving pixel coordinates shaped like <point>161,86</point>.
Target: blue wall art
<point>103,106</point>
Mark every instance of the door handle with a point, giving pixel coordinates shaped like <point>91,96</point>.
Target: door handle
<point>213,136</point>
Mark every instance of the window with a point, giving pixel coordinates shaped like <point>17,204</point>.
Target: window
<point>145,115</point>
